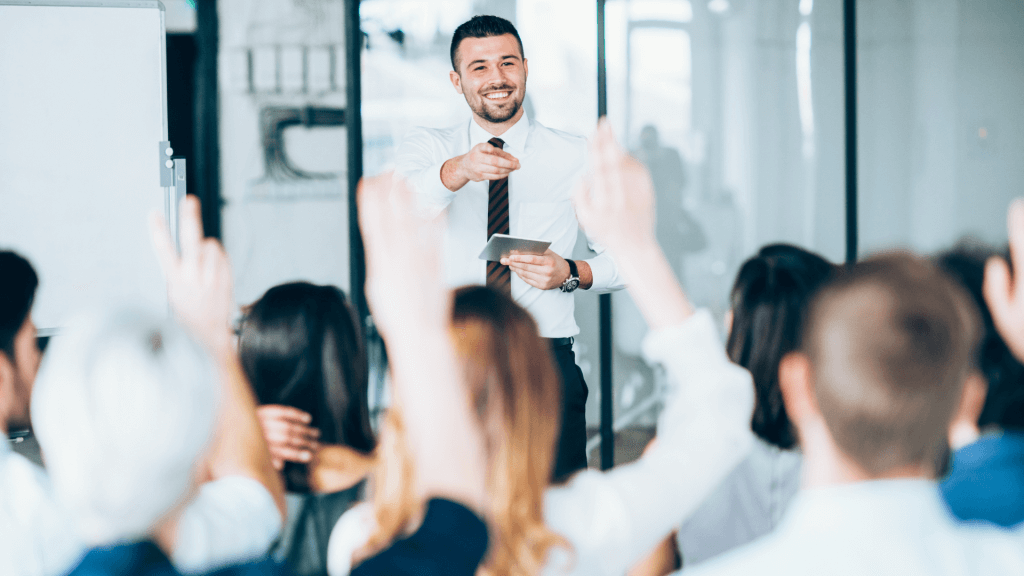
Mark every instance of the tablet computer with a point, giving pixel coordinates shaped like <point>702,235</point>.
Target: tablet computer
<point>501,245</point>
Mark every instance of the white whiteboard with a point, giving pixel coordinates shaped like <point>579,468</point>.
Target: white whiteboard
<point>82,113</point>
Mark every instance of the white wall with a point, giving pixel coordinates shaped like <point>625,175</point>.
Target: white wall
<point>299,232</point>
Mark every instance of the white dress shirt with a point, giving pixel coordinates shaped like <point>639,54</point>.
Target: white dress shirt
<point>35,536</point>
<point>748,504</point>
<point>540,207</point>
<point>876,528</point>
<point>612,519</point>
<point>232,519</point>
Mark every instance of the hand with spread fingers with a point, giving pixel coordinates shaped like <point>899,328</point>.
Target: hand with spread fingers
<point>546,271</point>
<point>289,436</point>
<point>1004,290</point>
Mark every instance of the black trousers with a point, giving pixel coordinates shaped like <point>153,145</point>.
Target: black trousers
<point>571,454</point>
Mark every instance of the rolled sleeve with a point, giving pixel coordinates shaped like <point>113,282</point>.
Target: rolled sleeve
<point>419,159</point>
<point>231,521</point>
<point>612,519</point>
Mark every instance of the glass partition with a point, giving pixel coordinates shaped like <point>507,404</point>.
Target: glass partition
<point>940,122</point>
<point>736,108</point>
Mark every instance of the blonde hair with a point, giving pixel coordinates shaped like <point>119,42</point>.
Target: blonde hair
<point>514,388</point>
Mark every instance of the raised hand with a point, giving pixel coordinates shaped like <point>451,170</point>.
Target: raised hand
<point>1005,294</point>
<point>616,204</point>
<point>199,285</point>
<point>404,285</point>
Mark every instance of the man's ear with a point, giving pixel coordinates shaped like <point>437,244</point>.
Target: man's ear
<point>456,81</point>
<point>964,428</point>
<point>796,384</point>
<point>526,69</point>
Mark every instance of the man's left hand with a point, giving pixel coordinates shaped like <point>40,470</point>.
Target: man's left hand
<point>547,271</point>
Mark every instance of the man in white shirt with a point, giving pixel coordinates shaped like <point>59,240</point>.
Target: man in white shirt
<point>235,515</point>
<point>887,354</point>
<point>502,173</point>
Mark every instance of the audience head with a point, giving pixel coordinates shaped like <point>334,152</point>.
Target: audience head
<point>769,303</point>
<point>1003,406</point>
<point>124,408</point>
<point>885,352</point>
<point>515,390</point>
<point>301,346</point>
<point>19,355</point>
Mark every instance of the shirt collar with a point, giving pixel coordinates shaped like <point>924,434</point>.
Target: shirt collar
<point>514,137</point>
<point>899,502</point>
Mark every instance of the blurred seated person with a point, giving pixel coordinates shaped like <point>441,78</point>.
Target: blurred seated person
<point>884,368</point>
<point>769,303</point>
<point>236,515</point>
<point>302,350</point>
<point>986,481</point>
<point>512,383</point>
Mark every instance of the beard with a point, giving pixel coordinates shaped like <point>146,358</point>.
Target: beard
<point>496,113</point>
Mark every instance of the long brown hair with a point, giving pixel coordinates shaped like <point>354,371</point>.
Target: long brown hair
<point>516,392</point>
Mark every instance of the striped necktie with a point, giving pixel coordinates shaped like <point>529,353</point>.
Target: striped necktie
<point>499,276</point>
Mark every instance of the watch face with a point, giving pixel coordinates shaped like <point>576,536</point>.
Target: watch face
<point>572,284</point>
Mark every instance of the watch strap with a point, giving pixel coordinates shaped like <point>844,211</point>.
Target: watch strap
<point>573,270</point>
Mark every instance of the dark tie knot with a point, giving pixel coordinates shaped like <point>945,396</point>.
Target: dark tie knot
<point>497,143</point>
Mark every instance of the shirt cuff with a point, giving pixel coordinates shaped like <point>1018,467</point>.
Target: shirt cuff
<point>433,196</point>
<point>606,276</point>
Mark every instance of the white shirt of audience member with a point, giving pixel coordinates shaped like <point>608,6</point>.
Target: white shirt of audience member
<point>540,207</point>
<point>878,527</point>
<point>231,517</point>
<point>613,518</point>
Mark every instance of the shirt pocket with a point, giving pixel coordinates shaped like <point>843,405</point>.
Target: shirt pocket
<point>547,221</point>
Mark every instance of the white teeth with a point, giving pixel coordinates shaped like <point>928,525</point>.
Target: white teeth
<point>497,95</point>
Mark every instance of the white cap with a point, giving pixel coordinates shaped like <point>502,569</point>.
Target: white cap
<point>123,407</point>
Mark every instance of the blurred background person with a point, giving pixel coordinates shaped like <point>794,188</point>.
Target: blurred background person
<point>769,303</point>
<point>302,350</point>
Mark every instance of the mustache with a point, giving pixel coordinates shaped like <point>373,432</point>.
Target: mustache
<point>498,88</point>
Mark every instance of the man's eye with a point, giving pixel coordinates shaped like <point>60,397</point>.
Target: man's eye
<point>478,68</point>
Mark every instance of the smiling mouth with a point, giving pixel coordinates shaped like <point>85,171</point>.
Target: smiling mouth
<point>498,95</point>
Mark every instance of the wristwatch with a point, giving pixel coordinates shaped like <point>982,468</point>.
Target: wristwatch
<point>573,281</point>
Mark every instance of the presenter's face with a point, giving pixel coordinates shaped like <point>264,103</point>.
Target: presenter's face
<point>492,77</point>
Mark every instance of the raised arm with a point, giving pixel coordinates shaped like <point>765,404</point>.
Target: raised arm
<point>227,521</point>
<point>444,440</point>
<point>612,519</point>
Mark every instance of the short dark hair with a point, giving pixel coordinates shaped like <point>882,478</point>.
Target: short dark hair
<point>769,301</point>
<point>1004,403</point>
<point>18,283</point>
<point>300,345</point>
<point>891,342</point>
<point>483,27</point>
